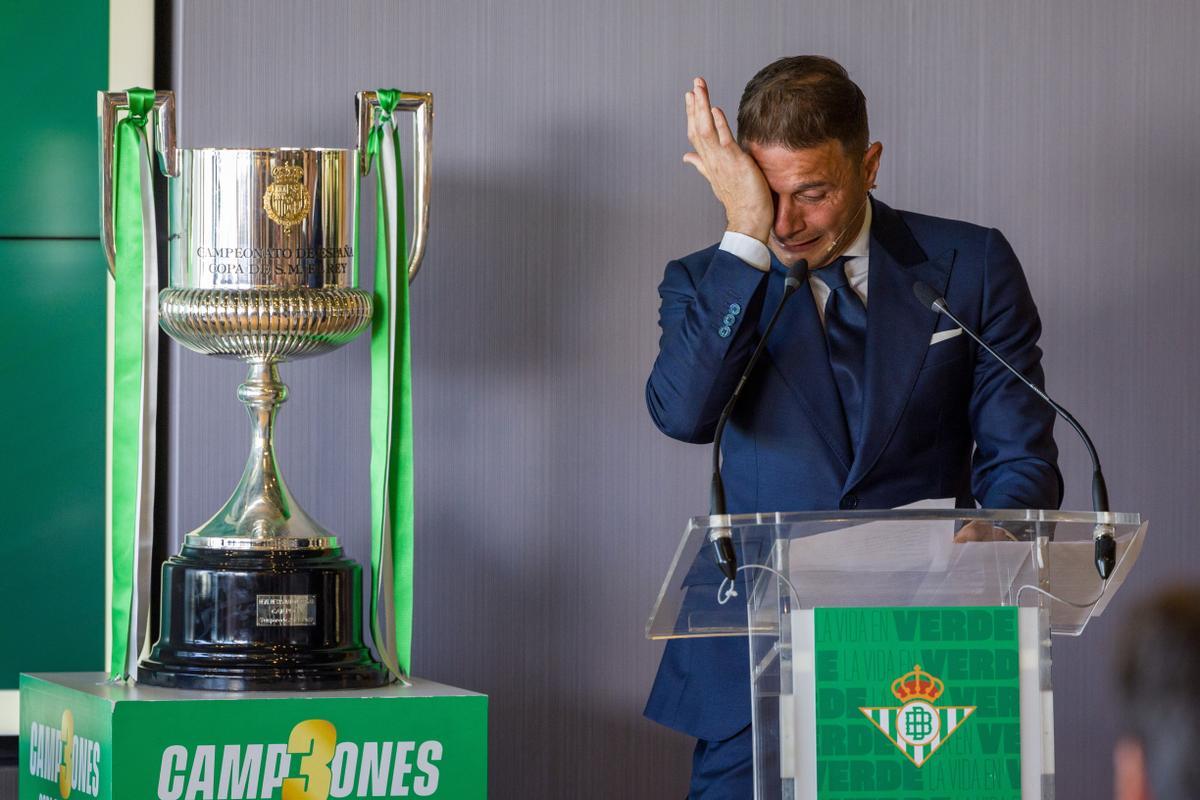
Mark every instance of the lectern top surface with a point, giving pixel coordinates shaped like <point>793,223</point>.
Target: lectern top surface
<point>909,557</point>
<point>846,518</point>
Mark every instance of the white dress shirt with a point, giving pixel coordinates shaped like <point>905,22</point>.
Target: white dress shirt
<point>756,254</point>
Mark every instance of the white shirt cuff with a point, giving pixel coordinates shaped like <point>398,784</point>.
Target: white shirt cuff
<point>748,249</point>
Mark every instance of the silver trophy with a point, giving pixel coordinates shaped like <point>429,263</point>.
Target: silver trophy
<point>263,268</point>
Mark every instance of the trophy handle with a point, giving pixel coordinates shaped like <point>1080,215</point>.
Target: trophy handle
<point>162,120</point>
<point>421,104</point>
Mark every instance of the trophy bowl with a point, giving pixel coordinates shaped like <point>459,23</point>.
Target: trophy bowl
<point>263,267</point>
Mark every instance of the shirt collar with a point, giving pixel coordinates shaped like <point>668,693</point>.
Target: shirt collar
<point>861,246</point>
<point>856,254</point>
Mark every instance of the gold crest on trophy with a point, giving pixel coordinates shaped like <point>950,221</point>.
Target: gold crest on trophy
<point>286,201</point>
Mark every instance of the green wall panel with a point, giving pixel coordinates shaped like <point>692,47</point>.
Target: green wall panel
<point>52,462</point>
<point>54,58</point>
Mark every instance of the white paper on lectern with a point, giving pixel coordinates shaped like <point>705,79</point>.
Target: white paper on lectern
<point>914,567</point>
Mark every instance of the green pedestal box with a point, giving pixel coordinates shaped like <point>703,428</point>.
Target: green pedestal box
<point>82,737</point>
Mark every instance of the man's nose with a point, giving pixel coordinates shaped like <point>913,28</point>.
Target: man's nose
<point>789,220</point>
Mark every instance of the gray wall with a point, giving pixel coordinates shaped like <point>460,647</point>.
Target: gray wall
<point>548,505</point>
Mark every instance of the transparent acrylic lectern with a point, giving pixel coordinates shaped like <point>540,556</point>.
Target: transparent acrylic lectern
<point>835,605</point>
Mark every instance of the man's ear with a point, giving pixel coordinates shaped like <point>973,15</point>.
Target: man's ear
<point>870,163</point>
<point>1130,779</point>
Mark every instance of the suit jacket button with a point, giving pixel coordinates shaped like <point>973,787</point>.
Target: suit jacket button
<point>735,309</point>
<point>729,319</point>
<point>724,332</point>
<point>850,502</point>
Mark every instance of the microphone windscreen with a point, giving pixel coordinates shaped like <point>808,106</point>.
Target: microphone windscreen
<point>797,275</point>
<point>926,295</point>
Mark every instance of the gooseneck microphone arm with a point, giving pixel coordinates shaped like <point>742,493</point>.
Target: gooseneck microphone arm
<point>1105,544</point>
<point>721,537</point>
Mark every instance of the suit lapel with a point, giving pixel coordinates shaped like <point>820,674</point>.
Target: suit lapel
<point>797,349</point>
<point>898,330</point>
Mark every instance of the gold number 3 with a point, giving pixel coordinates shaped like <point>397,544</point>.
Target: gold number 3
<point>315,739</point>
<point>68,760</point>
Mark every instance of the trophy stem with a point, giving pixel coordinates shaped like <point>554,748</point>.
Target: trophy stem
<point>261,512</point>
<point>267,496</point>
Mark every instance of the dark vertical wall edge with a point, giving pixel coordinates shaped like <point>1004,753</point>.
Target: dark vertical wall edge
<point>164,69</point>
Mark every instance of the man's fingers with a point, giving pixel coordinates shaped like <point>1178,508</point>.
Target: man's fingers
<point>971,532</point>
<point>980,531</point>
<point>701,90</point>
<point>690,105</point>
<point>693,116</point>
<point>724,135</point>
<point>701,110</point>
<point>696,161</point>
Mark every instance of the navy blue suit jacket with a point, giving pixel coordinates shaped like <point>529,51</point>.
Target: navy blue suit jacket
<point>940,420</point>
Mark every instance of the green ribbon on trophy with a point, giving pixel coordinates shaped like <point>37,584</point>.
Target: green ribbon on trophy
<point>391,404</point>
<point>132,360</point>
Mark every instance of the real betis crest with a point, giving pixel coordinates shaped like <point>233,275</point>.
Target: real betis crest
<point>917,726</point>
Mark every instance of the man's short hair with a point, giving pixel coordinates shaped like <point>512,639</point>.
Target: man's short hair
<point>803,101</point>
<point>1158,663</point>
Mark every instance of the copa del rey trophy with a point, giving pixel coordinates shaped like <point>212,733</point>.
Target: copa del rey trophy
<point>263,248</point>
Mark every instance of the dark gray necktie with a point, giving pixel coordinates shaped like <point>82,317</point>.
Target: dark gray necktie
<point>846,336</point>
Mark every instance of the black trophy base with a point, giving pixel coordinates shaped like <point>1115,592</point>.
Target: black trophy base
<point>261,621</point>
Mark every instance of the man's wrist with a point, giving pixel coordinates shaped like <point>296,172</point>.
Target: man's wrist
<point>747,248</point>
<point>748,226</point>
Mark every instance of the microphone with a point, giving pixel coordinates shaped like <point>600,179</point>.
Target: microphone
<point>721,538</point>
<point>1105,544</point>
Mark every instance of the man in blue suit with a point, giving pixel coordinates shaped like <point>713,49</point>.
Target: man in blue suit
<point>864,397</point>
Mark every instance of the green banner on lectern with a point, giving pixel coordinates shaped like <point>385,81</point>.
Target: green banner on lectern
<point>917,703</point>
